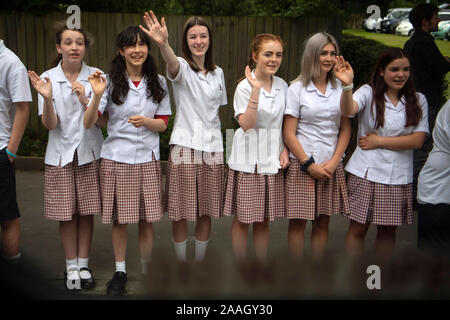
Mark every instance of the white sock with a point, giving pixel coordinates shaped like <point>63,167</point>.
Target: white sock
<point>83,263</point>
<point>71,264</point>
<point>144,265</point>
<point>13,257</point>
<point>180,250</point>
<point>200,249</point>
<point>120,266</point>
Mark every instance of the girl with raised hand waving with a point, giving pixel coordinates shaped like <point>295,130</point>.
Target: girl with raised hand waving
<point>317,135</point>
<point>195,170</point>
<point>72,187</point>
<point>392,122</point>
<point>138,104</point>
<point>255,183</point>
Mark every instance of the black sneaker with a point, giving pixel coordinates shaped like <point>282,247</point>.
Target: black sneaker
<point>88,283</point>
<point>116,287</point>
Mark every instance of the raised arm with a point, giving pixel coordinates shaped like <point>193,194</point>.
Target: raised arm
<point>247,120</point>
<point>44,88</point>
<point>98,83</point>
<point>344,72</point>
<point>160,35</point>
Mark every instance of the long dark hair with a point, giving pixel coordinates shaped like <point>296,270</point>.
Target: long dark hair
<point>209,65</point>
<point>119,80</point>
<point>379,88</point>
<point>60,27</point>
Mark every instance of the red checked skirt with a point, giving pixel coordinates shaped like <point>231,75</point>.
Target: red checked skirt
<point>254,197</point>
<point>307,198</point>
<point>71,190</point>
<point>380,204</point>
<point>131,192</point>
<point>194,187</point>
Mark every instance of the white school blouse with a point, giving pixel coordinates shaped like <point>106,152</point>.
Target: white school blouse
<point>263,144</point>
<point>14,87</point>
<point>126,143</point>
<point>383,165</point>
<point>70,133</point>
<point>433,186</point>
<point>319,118</point>
<point>198,98</point>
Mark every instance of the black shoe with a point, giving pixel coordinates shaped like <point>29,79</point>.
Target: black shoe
<point>116,287</point>
<point>87,283</point>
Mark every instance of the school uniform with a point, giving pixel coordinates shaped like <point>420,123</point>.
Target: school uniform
<point>255,183</point>
<point>319,121</point>
<point>14,88</point>
<point>130,170</point>
<point>71,158</point>
<point>380,181</point>
<point>195,169</point>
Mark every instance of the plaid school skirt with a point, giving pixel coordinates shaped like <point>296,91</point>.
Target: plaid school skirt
<point>195,184</point>
<point>254,197</point>
<point>71,190</point>
<point>131,192</point>
<point>380,204</point>
<point>307,198</point>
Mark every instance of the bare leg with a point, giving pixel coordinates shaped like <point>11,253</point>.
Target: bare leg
<point>239,235</point>
<point>179,230</point>
<point>296,237</point>
<point>203,228</point>
<point>119,241</point>
<point>145,239</point>
<point>68,231</point>
<point>385,242</point>
<point>354,240</point>
<point>261,239</point>
<point>10,237</point>
<point>85,231</point>
<point>319,236</point>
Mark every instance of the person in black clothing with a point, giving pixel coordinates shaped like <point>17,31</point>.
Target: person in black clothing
<point>429,67</point>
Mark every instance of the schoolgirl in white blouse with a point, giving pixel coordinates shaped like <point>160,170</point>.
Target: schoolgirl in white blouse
<point>71,188</point>
<point>138,104</point>
<point>255,184</point>
<point>392,122</point>
<point>317,135</point>
<point>195,169</point>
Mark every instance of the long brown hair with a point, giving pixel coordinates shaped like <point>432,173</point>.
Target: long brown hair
<point>60,27</point>
<point>209,65</point>
<point>379,88</point>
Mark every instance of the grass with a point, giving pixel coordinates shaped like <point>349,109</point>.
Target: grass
<point>398,41</point>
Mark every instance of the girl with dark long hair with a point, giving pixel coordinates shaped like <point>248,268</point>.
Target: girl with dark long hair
<point>195,169</point>
<point>137,101</point>
<point>393,122</point>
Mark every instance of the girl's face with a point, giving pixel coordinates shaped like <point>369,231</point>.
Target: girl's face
<point>135,55</point>
<point>396,73</point>
<point>268,59</point>
<point>198,40</point>
<point>327,58</point>
<point>72,47</point>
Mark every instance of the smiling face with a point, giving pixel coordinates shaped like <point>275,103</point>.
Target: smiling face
<point>268,59</point>
<point>135,55</point>
<point>198,40</point>
<point>327,58</point>
<point>72,47</point>
<point>396,74</point>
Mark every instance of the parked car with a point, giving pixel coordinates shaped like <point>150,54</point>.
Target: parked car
<point>404,28</point>
<point>442,33</point>
<point>393,18</point>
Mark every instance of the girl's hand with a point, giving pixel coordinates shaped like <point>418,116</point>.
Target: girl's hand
<point>343,71</point>
<point>98,83</point>
<point>43,87</point>
<point>137,121</point>
<point>157,32</point>
<point>78,88</point>
<point>253,81</point>
<point>370,141</point>
<point>330,166</point>
<point>284,158</point>
<point>317,171</point>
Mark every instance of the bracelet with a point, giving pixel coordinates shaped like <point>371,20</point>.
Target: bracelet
<point>255,102</point>
<point>10,153</point>
<point>254,108</point>
<point>347,88</point>
<point>304,167</point>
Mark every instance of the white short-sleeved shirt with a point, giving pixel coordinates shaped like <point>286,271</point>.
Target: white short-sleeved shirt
<point>126,143</point>
<point>70,133</point>
<point>433,186</point>
<point>319,118</point>
<point>261,145</point>
<point>14,87</point>
<point>384,165</point>
<point>198,98</point>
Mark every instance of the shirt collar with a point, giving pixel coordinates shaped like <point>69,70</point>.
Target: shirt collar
<point>275,87</point>
<point>312,87</point>
<point>2,46</point>
<point>82,76</point>
<point>400,104</point>
<point>141,85</point>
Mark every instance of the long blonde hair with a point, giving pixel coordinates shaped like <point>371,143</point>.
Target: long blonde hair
<point>311,58</point>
